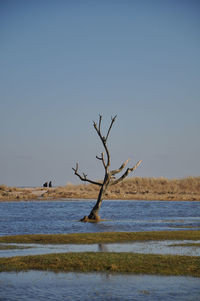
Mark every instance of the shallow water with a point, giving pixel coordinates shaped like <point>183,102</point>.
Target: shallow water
<point>149,247</point>
<point>35,285</point>
<point>62,216</point>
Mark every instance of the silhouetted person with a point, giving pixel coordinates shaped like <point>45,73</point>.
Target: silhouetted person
<point>50,184</point>
<point>45,184</point>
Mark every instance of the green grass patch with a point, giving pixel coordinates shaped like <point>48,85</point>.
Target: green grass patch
<point>104,237</point>
<point>106,262</point>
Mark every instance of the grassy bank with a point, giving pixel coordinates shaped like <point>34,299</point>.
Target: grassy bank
<point>103,237</point>
<point>106,262</point>
<point>132,188</point>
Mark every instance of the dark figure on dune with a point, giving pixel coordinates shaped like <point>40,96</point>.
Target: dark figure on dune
<point>45,184</point>
<point>50,184</point>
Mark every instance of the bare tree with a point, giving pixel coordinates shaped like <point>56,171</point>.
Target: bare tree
<point>109,176</point>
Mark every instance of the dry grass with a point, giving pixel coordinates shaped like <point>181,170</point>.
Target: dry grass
<point>16,194</point>
<point>136,188</point>
<point>132,188</point>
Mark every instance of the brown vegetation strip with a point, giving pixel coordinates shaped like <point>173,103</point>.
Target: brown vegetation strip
<point>136,188</point>
<point>106,262</point>
<point>103,237</point>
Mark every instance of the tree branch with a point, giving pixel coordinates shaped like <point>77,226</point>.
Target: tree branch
<point>103,139</point>
<point>100,118</point>
<point>84,178</point>
<point>111,124</point>
<point>102,159</point>
<point>126,173</point>
<point>114,172</point>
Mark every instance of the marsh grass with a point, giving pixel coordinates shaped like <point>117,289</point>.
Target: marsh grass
<point>102,237</point>
<point>135,188</point>
<point>12,247</point>
<point>106,262</point>
<point>12,193</point>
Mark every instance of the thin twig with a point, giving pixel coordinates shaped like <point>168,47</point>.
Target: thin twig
<point>112,121</point>
<point>84,178</point>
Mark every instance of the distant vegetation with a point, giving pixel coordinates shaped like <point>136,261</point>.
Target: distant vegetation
<point>132,188</point>
<point>13,193</point>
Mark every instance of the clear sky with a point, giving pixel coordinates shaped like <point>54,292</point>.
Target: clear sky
<point>62,63</point>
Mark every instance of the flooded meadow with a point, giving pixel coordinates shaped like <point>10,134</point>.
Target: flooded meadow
<point>62,217</point>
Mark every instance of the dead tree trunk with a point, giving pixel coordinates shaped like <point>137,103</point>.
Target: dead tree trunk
<point>109,176</point>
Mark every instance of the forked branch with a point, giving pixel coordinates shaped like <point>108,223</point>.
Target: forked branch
<point>84,177</point>
<point>102,159</point>
<point>126,173</point>
<point>104,139</point>
<point>114,172</point>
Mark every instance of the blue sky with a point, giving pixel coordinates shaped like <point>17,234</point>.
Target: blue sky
<point>62,63</point>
